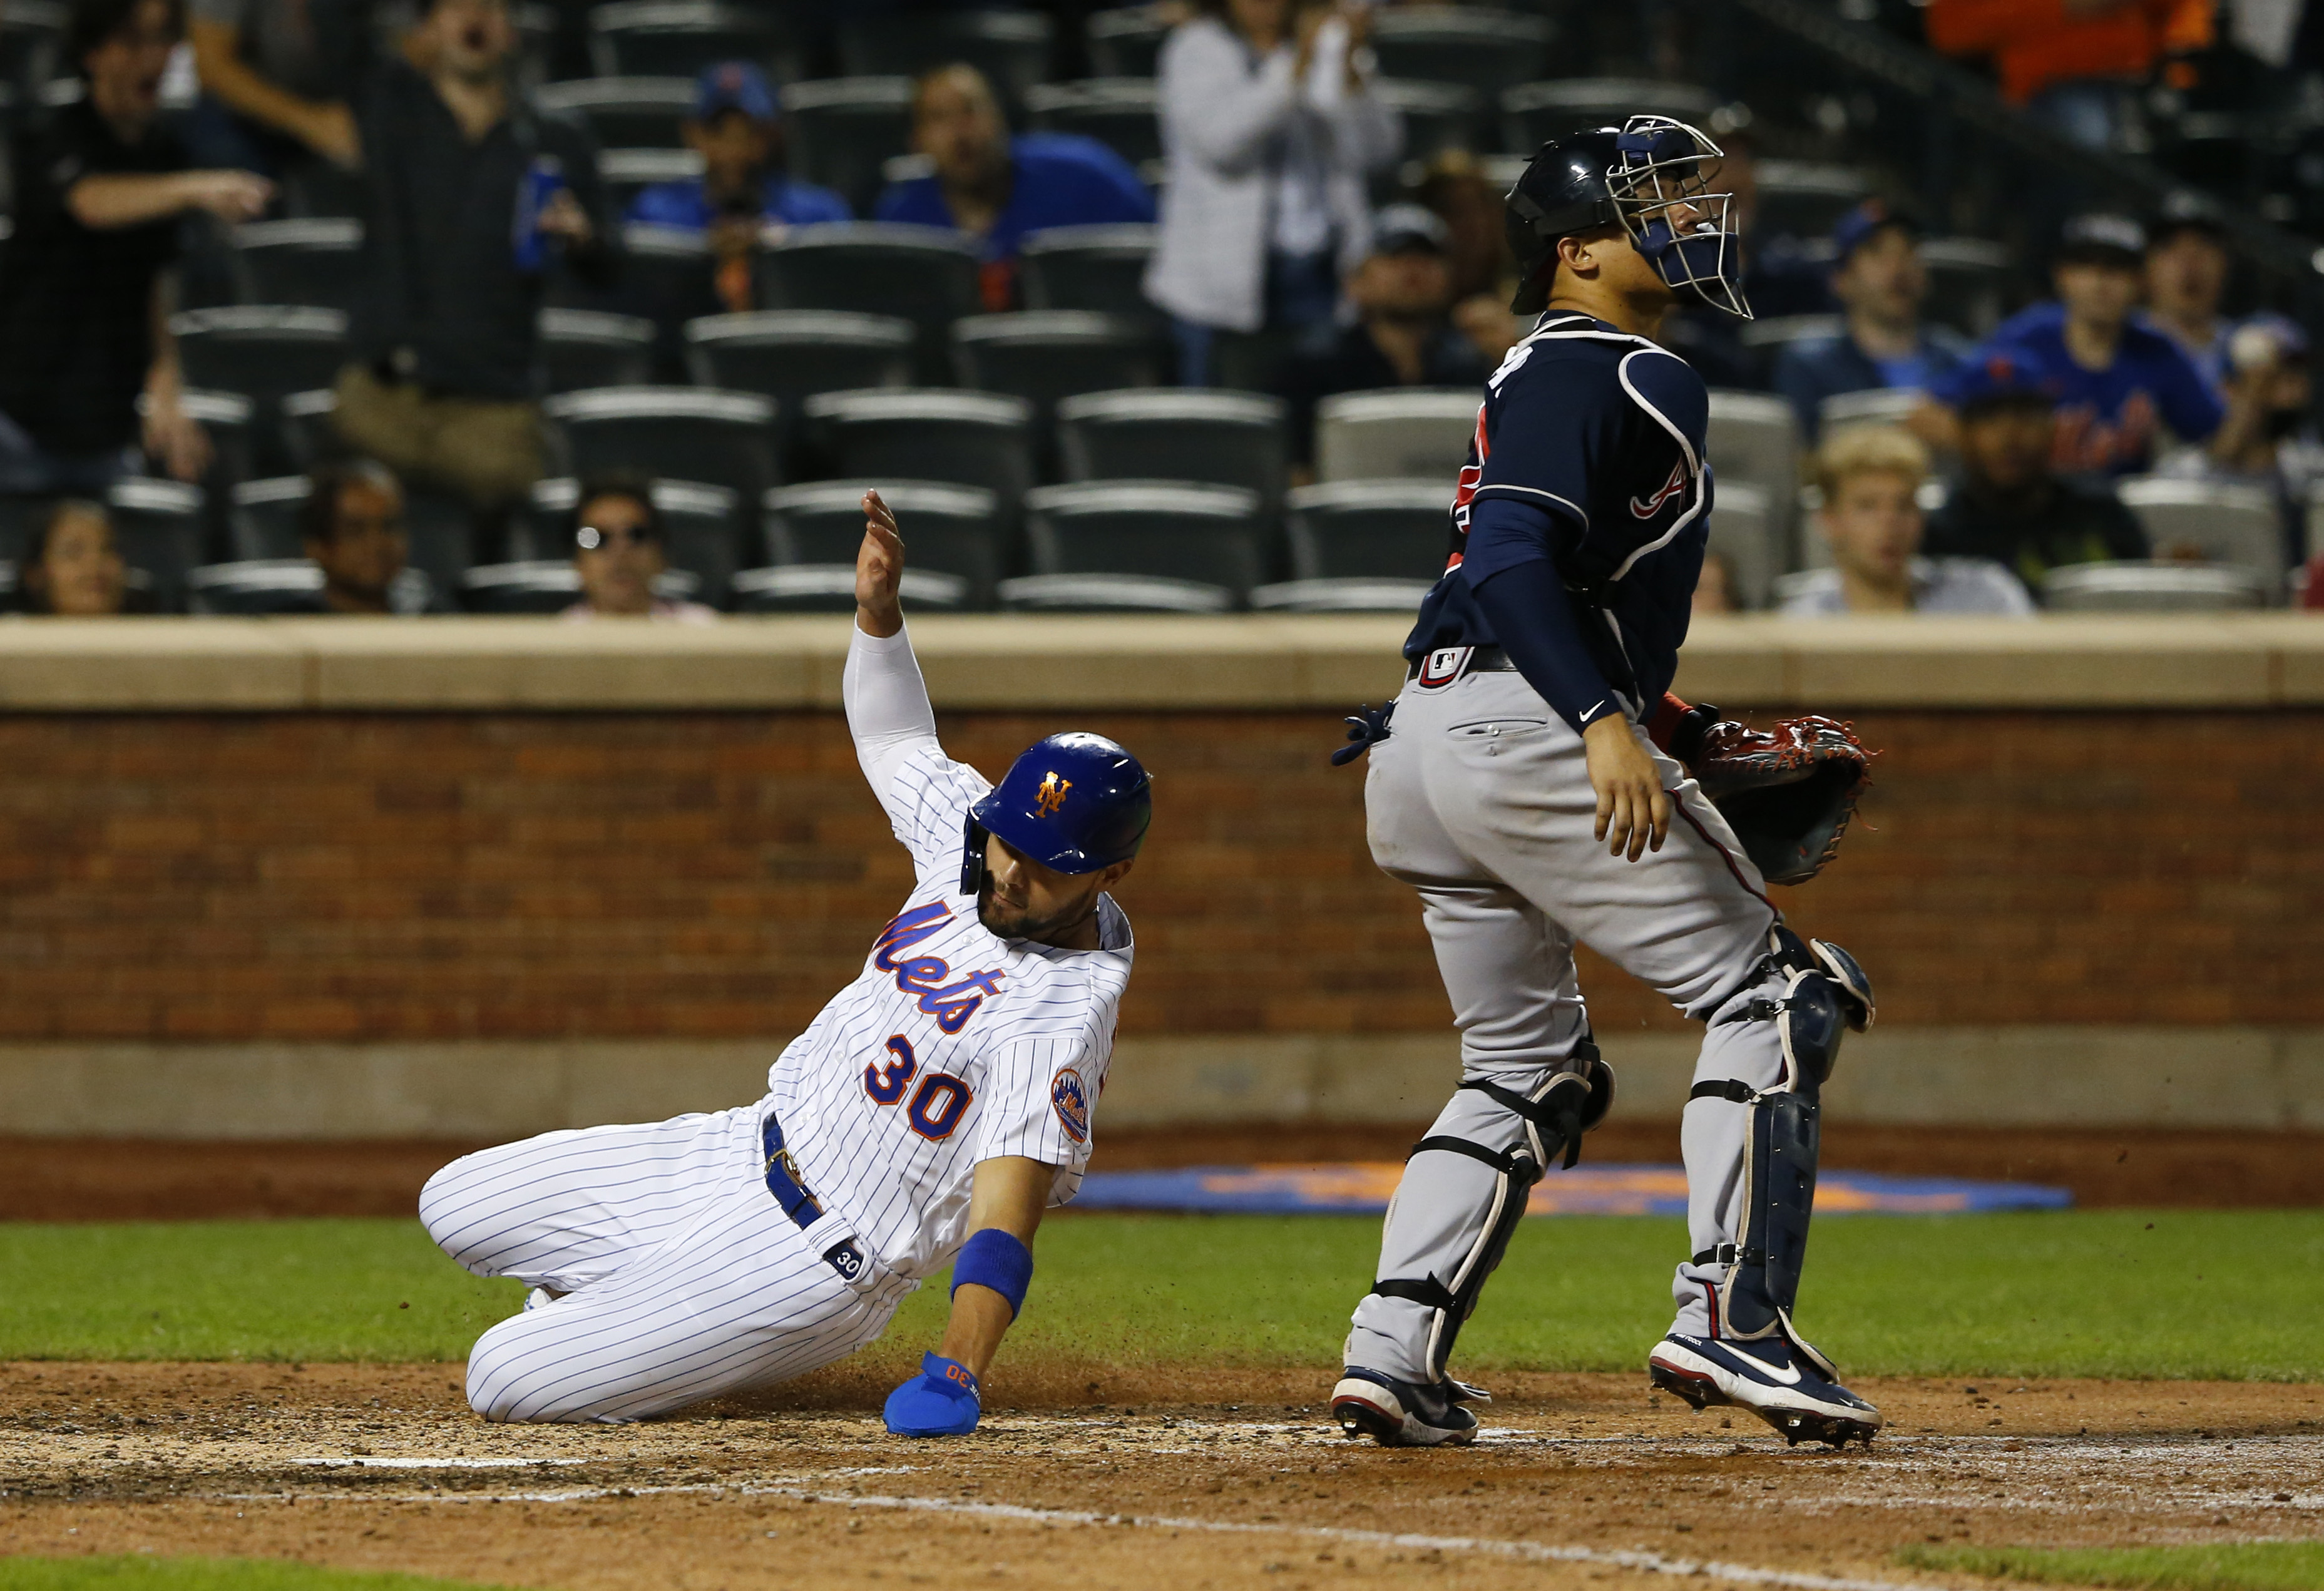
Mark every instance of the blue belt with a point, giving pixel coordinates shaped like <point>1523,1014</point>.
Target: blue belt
<point>801,1206</point>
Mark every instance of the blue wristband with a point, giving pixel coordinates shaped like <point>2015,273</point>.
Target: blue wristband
<point>996,1259</point>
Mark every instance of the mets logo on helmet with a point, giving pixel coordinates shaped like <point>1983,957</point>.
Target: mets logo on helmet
<point>1051,795</point>
<point>1072,1103</point>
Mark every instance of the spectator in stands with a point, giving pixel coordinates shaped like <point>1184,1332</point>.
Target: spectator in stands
<point>2286,455</point>
<point>275,76</point>
<point>73,568</point>
<point>2186,279</point>
<point>742,194</point>
<point>1871,478</point>
<point>2119,381</point>
<point>1400,337</point>
<point>1878,277</point>
<point>1269,124</point>
<point>352,528</point>
<point>996,188</point>
<point>2071,62</point>
<point>2012,505</point>
<point>617,550</point>
<point>87,284</point>
<point>474,199</point>
<point>1476,253</point>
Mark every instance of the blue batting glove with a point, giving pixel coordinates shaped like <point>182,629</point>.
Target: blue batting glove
<point>940,1400</point>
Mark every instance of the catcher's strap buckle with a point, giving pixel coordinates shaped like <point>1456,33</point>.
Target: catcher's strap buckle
<point>1367,727</point>
<point>1429,1292</point>
<point>1727,1254</point>
<point>1732,1089</point>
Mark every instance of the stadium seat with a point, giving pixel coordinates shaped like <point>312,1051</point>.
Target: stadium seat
<point>1363,546</point>
<point>1341,596</point>
<point>1533,113</point>
<point>971,438</point>
<point>1126,41</point>
<point>666,278</point>
<point>255,587</point>
<point>1113,594</point>
<point>1466,47</point>
<point>582,348</point>
<point>623,112</point>
<point>263,525</point>
<point>1754,440</point>
<point>830,588</point>
<point>1437,116</point>
<point>262,351</point>
<point>1969,283</point>
<point>1011,48</point>
<point>701,532</point>
<point>1417,431</point>
<point>1209,536</point>
<point>160,529</point>
<point>626,172</point>
<point>1743,535</point>
<point>793,355</point>
<point>547,586</point>
<point>2218,522</point>
<point>1120,113</point>
<point>306,437</point>
<point>1101,268</point>
<point>678,38</point>
<point>1176,434</point>
<point>956,532</point>
<point>2152,588</point>
<point>1805,199</point>
<point>320,263</point>
<point>31,46</point>
<point>317,190</point>
<point>1886,406</point>
<point>678,433</point>
<point>230,420</point>
<point>841,132</point>
<point>1049,355</point>
<point>20,516</point>
<point>928,276</point>
<point>1777,332</point>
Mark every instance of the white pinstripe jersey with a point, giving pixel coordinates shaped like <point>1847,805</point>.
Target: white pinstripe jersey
<point>953,1046</point>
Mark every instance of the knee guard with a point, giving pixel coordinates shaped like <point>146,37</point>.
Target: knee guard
<point>1825,995</point>
<point>1571,1101</point>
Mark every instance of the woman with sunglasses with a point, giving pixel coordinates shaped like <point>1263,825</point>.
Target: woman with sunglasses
<point>617,551</point>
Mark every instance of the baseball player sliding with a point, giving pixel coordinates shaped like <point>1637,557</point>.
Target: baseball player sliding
<point>1530,793</point>
<point>927,1118</point>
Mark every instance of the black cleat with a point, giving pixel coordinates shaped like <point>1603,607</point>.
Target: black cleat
<point>1401,1414</point>
<point>1784,1387</point>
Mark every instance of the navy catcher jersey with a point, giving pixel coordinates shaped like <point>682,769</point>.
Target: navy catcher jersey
<point>1596,436</point>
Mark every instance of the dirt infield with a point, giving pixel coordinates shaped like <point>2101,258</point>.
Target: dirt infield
<point>1100,1476</point>
<point>69,1180</point>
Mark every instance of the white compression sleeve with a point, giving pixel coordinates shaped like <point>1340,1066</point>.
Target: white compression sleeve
<point>888,709</point>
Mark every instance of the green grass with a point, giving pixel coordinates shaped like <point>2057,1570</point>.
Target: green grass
<point>2196,1293</point>
<point>203,1574</point>
<point>2242,1565</point>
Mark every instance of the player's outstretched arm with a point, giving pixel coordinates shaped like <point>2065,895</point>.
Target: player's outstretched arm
<point>880,571</point>
<point>887,702</point>
<point>989,1281</point>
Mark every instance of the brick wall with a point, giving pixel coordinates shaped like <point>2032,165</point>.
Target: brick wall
<point>504,876</point>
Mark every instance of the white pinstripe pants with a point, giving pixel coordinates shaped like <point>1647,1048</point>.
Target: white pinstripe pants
<point>684,1278</point>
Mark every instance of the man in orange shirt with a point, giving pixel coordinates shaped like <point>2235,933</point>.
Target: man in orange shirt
<point>2042,46</point>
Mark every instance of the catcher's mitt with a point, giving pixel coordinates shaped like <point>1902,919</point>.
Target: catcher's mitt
<point>1787,793</point>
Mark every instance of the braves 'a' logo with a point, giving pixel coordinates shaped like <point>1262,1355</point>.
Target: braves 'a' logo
<point>1051,795</point>
<point>1646,508</point>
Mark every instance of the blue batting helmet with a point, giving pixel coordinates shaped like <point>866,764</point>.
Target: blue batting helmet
<point>1073,802</point>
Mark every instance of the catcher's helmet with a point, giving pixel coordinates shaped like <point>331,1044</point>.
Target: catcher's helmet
<point>1633,176</point>
<point>1073,802</point>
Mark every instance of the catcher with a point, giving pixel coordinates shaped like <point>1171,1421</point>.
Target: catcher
<point>1536,792</point>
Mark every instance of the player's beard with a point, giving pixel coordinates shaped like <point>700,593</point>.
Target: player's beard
<point>1005,921</point>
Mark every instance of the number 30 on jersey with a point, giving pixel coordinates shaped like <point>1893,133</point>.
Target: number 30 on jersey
<point>937,1104</point>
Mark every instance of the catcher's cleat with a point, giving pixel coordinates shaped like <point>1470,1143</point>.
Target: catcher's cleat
<point>1781,1386</point>
<point>1401,1414</point>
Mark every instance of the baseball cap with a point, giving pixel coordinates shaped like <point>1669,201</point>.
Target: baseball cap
<point>1407,229</point>
<point>2183,211</point>
<point>734,86</point>
<point>2102,238</point>
<point>1995,376</point>
<point>1855,228</point>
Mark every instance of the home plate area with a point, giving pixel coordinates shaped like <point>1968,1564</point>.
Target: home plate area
<point>1083,1473</point>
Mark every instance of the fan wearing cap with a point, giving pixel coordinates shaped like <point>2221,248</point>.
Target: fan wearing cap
<point>1402,335</point>
<point>2268,353</point>
<point>1878,277</point>
<point>2186,279</point>
<point>2120,382</point>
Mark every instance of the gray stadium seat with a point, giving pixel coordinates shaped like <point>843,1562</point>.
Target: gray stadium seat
<point>667,278</point>
<point>2137,587</point>
<point>1209,536</point>
<point>972,438</point>
<point>1416,431</point>
<point>1780,331</point>
<point>1176,434</point>
<point>1805,199</point>
<point>161,528</point>
<point>1126,41</point>
<point>230,420</point>
<point>1049,355</point>
<point>1533,113</point>
<point>1743,534</point>
<point>31,45</point>
<point>581,348</point>
<point>830,588</point>
<point>623,112</point>
<point>1113,594</point>
<point>2220,522</point>
<point>531,586</point>
<point>793,355</point>
<point>262,351</point>
<point>263,524</point>
<point>678,38</point>
<point>701,529</point>
<point>1120,113</point>
<point>840,132</point>
<point>1969,283</point>
<point>956,532</point>
<point>679,433</point>
<point>625,171</point>
<point>1363,546</point>
<point>308,437</point>
<point>928,276</point>
<point>1884,406</point>
<point>1011,48</point>
<point>1437,116</point>
<point>1341,596</point>
<point>320,263</point>
<point>255,587</point>
<point>1101,268</point>
<point>1468,46</point>
<point>1753,440</point>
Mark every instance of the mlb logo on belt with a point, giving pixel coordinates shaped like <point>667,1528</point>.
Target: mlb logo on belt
<point>1443,666</point>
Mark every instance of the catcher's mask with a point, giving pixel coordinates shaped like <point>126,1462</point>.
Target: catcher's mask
<point>1076,802</point>
<point>1646,176</point>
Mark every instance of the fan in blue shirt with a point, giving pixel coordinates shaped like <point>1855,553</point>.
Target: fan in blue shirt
<point>997,188</point>
<point>737,130</point>
<point>1877,276</point>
